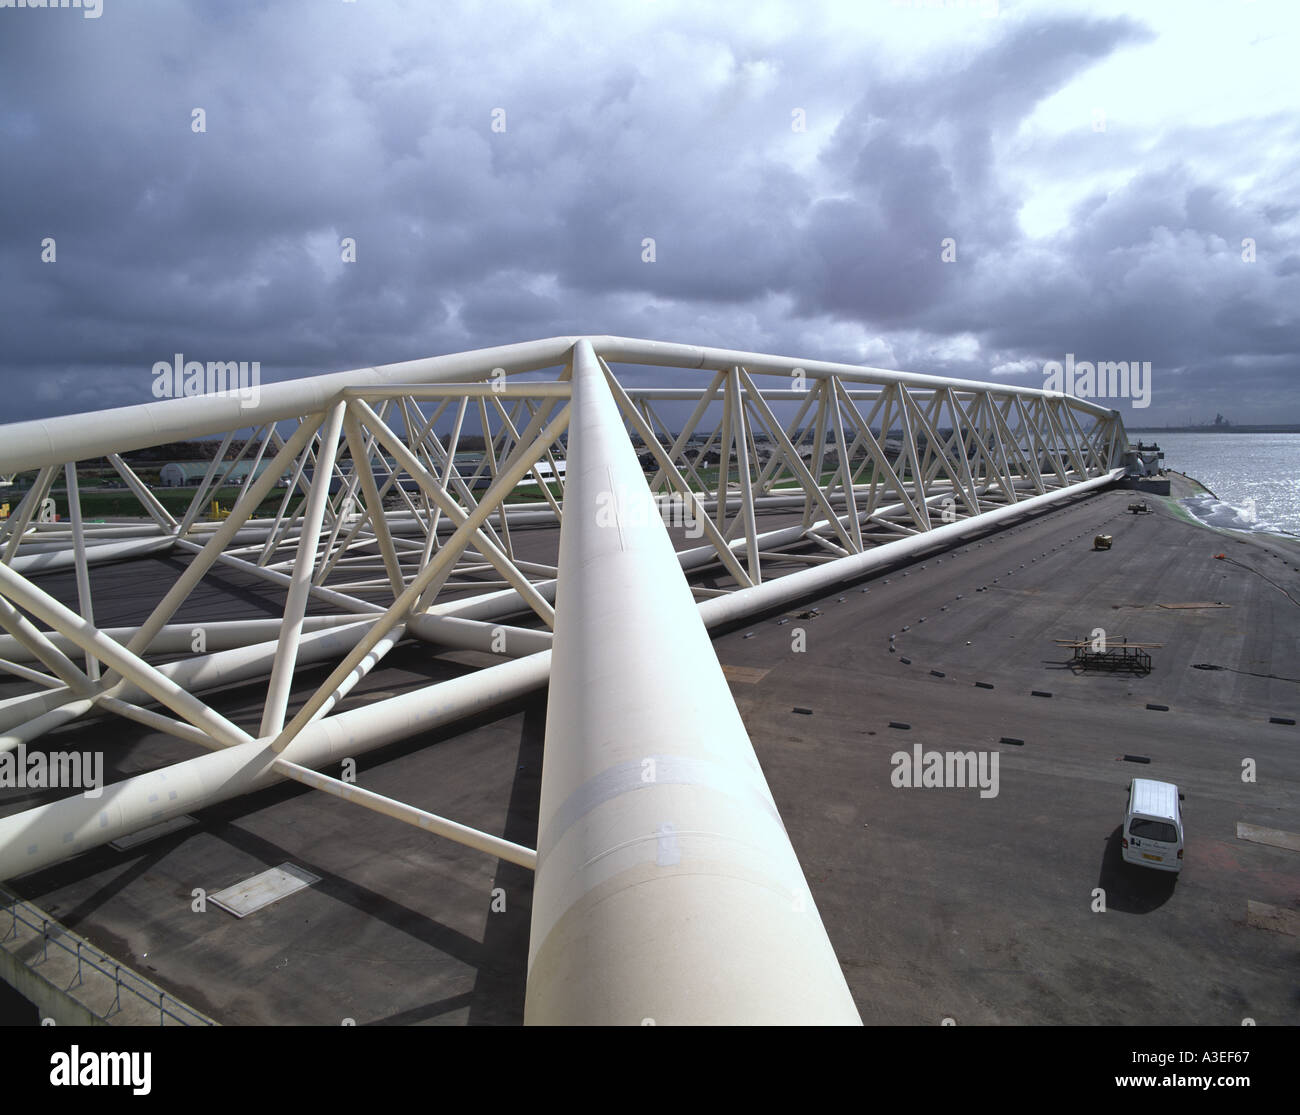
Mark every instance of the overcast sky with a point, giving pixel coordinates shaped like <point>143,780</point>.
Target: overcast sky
<point>799,166</point>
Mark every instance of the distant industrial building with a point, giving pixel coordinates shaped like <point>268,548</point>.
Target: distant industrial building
<point>189,474</point>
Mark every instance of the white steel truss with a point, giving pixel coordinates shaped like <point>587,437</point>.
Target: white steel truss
<point>417,502</point>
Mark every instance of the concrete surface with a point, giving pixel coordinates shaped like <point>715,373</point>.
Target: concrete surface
<point>939,902</point>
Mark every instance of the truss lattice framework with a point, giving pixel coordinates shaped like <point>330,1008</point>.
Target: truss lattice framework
<point>422,501</point>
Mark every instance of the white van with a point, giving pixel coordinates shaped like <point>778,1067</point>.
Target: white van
<point>1153,826</point>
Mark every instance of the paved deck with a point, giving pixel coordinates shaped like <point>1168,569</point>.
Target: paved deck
<point>940,902</point>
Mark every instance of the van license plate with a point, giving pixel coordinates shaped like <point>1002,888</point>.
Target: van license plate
<point>1158,859</point>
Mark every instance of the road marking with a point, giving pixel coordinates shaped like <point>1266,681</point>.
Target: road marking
<point>1275,838</point>
<point>1263,916</point>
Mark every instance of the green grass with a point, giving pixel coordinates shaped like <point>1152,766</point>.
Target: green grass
<point>121,502</point>
<point>99,502</point>
<point>710,477</point>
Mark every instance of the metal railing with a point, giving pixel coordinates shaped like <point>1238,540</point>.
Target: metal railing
<point>147,992</point>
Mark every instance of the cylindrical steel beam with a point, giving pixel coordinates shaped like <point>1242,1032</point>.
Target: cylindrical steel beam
<point>194,675</point>
<point>398,810</point>
<point>183,638</point>
<point>295,605</point>
<point>47,834</point>
<point>666,887</point>
<point>49,560</point>
<point>808,582</point>
<point>76,437</point>
<point>158,685</point>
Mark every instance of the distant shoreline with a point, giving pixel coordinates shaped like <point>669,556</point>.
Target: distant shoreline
<point>1212,429</point>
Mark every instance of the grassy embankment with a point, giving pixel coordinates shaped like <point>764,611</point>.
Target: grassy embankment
<point>99,501</point>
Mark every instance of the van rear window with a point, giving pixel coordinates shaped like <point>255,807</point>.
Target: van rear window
<point>1153,830</point>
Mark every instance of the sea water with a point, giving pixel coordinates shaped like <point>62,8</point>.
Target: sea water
<point>1255,478</point>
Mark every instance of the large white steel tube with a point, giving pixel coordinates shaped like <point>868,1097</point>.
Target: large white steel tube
<point>181,638</point>
<point>25,633</point>
<point>28,445</point>
<point>195,675</point>
<point>84,598</point>
<point>53,441</point>
<point>464,634</point>
<point>403,522</point>
<point>494,605</point>
<point>328,694</point>
<point>47,557</point>
<point>326,595</point>
<point>248,501</point>
<point>421,818</point>
<point>13,529</point>
<point>26,673</point>
<point>247,663</point>
<point>47,834</point>
<point>56,717</point>
<point>52,560</point>
<point>57,536</point>
<point>630,350</point>
<point>691,394</point>
<point>807,582</point>
<point>295,605</point>
<point>151,503</point>
<point>666,886</point>
<point>158,685</point>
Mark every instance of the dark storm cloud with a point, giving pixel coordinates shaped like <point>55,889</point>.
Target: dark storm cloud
<point>373,121</point>
<point>1155,271</point>
<point>917,156</point>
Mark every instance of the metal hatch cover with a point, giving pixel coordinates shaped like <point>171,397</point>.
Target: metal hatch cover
<point>263,889</point>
